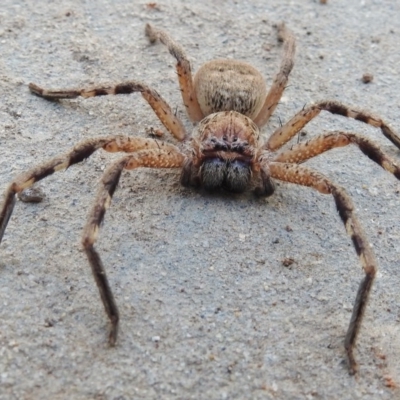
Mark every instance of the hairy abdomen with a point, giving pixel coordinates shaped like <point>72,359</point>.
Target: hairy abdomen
<point>230,85</point>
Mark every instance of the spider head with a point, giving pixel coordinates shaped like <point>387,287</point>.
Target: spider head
<point>226,144</point>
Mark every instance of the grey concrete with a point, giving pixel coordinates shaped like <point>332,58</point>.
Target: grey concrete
<point>208,310</point>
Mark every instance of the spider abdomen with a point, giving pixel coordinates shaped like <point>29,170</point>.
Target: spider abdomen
<point>230,85</point>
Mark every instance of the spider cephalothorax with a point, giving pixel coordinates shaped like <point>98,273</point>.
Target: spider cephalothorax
<point>228,101</point>
<point>225,147</point>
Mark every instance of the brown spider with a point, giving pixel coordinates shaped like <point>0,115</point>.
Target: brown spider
<point>228,101</point>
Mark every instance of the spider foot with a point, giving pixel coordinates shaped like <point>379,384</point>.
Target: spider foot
<point>6,211</point>
<point>53,95</point>
<point>112,337</point>
<point>353,366</point>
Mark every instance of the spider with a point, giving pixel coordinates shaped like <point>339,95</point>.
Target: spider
<point>228,103</point>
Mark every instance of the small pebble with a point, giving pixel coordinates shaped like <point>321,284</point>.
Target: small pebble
<point>32,195</point>
<point>287,262</point>
<point>367,78</point>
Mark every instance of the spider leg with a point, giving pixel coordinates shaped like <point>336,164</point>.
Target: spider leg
<point>75,155</point>
<point>153,158</point>
<point>283,134</point>
<point>306,150</point>
<point>304,176</point>
<point>183,70</point>
<point>146,153</point>
<point>156,102</point>
<point>281,79</point>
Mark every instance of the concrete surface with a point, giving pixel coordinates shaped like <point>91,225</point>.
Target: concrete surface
<point>208,310</point>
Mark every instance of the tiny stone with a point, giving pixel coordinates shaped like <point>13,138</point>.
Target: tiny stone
<point>32,195</point>
<point>367,78</point>
<point>287,262</point>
